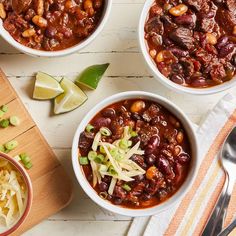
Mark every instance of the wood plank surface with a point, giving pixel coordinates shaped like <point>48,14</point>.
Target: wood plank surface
<point>52,188</point>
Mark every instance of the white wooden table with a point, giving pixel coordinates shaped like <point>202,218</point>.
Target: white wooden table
<point>118,45</point>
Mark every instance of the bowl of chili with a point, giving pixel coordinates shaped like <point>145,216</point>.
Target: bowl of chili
<point>190,46</point>
<point>52,28</point>
<point>135,153</point>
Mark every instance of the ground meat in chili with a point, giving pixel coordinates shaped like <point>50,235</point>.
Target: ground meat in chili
<point>193,43</point>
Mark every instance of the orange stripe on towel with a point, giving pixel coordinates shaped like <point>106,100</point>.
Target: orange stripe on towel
<point>212,152</point>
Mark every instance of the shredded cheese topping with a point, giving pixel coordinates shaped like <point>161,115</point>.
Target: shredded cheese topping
<point>12,194</point>
<point>124,168</point>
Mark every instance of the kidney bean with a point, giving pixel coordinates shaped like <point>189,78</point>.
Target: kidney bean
<point>109,112</point>
<point>183,158</point>
<point>50,32</point>
<point>188,20</point>
<point>165,167</point>
<point>102,122</point>
<point>177,68</point>
<point>117,201</point>
<point>226,50</point>
<point>178,79</point>
<point>222,42</point>
<point>150,159</point>
<point>178,170</point>
<point>198,82</point>
<point>178,52</point>
<point>153,142</point>
<point>103,186</point>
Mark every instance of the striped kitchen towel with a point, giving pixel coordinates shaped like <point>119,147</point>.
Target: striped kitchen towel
<point>188,217</point>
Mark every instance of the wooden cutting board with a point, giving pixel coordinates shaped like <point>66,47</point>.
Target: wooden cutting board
<point>52,188</point>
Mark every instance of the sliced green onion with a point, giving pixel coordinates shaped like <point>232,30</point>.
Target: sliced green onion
<point>11,145</point>
<point>4,108</point>
<point>134,134</point>
<point>126,187</point>
<point>105,131</point>
<point>28,165</point>
<point>99,158</point>
<point>92,155</point>
<point>14,120</point>
<point>111,170</point>
<point>124,143</point>
<point>103,168</point>
<point>1,113</point>
<point>89,128</point>
<point>102,150</point>
<point>83,161</point>
<point>2,148</point>
<point>114,152</point>
<point>4,123</point>
<point>119,157</point>
<point>6,151</point>
<point>103,195</point>
<point>25,158</point>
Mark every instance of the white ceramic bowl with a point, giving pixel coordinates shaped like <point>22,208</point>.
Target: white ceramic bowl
<point>118,209</point>
<point>64,52</point>
<point>157,74</point>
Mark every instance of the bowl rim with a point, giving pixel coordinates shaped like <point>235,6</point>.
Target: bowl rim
<point>129,211</point>
<point>60,53</point>
<point>159,76</point>
<point>29,193</point>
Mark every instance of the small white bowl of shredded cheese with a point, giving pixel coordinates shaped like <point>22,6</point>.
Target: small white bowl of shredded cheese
<point>15,194</point>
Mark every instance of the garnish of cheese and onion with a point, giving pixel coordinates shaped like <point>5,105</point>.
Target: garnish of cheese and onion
<point>13,194</point>
<point>113,159</point>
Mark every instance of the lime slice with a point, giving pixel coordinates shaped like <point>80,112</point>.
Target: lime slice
<point>72,97</point>
<point>91,76</point>
<point>46,87</point>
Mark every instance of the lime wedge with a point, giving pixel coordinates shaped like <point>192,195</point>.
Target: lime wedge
<point>91,76</point>
<point>72,97</point>
<point>46,87</point>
